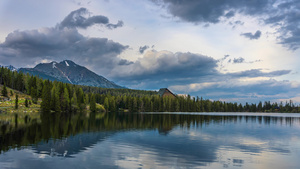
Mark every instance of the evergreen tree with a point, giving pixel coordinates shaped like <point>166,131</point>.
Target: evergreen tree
<point>74,103</point>
<point>20,82</point>
<point>80,99</point>
<point>93,103</point>
<point>112,104</point>
<point>4,90</point>
<point>26,103</point>
<point>106,104</point>
<point>65,100</point>
<point>55,102</point>
<point>134,105</point>
<point>87,100</point>
<point>17,102</point>
<point>33,94</point>
<point>177,106</point>
<point>46,98</point>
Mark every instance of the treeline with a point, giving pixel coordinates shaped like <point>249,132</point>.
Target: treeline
<point>155,103</point>
<point>59,96</point>
<point>117,92</point>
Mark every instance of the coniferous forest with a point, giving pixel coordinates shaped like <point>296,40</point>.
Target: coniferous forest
<point>63,97</point>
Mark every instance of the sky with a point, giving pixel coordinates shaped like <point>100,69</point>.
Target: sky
<point>229,50</point>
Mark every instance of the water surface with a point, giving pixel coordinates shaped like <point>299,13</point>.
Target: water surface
<point>154,140</point>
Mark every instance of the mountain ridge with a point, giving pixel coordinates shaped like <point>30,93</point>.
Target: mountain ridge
<point>69,72</point>
<point>10,67</point>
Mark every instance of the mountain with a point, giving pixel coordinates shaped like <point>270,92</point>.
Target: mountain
<point>10,67</point>
<point>69,72</point>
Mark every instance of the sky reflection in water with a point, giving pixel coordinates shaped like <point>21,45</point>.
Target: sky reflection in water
<point>162,141</point>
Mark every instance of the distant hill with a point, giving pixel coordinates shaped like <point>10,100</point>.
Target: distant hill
<point>69,72</point>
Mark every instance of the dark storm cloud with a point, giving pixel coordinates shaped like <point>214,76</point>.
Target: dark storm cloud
<point>252,36</point>
<point>143,48</point>
<point>22,48</point>
<point>283,15</point>
<point>79,19</point>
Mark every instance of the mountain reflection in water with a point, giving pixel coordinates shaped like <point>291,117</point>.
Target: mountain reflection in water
<point>153,141</point>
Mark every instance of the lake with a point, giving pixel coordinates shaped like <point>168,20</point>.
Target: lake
<point>153,140</point>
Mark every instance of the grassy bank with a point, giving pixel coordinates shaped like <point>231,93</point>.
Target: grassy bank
<point>8,111</point>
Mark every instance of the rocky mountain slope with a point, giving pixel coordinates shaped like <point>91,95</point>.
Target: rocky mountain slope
<point>69,72</point>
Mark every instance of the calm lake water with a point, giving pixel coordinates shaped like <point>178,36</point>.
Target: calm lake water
<point>159,140</point>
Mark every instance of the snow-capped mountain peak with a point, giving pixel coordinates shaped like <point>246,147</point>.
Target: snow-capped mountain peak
<point>67,63</point>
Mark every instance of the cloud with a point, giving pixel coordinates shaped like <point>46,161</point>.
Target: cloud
<point>125,62</point>
<point>251,36</point>
<point>282,15</point>
<point>166,67</point>
<point>239,23</point>
<point>241,90</point>
<point>241,60</point>
<point>212,11</point>
<point>80,19</point>
<point>143,48</point>
<point>26,48</point>
<point>238,60</point>
<point>286,19</point>
<point>225,57</point>
<point>229,14</point>
<point>113,26</point>
<point>154,69</point>
<point>259,73</point>
<point>157,69</point>
<point>221,65</point>
<point>236,23</point>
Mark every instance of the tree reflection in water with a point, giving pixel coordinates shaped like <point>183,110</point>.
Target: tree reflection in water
<point>56,126</point>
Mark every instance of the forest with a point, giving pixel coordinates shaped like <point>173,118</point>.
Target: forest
<point>63,97</point>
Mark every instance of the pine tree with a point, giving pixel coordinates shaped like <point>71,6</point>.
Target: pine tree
<point>177,106</point>
<point>46,97</point>
<point>112,104</point>
<point>80,99</point>
<point>26,102</point>
<point>106,104</point>
<point>93,103</point>
<point>74,103</point>
<point>66,100</point>
<point>33,94</point>
<point>87,100</point>
<point>55,102</point>
<point>17,102</point>
<point>4,90</point>
<point>134,105</point>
